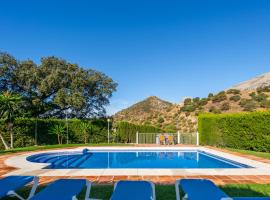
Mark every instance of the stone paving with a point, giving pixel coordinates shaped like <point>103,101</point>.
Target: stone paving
<point>220,180</point>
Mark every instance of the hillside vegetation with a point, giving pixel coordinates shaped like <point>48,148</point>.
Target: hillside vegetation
<point>172,117</point>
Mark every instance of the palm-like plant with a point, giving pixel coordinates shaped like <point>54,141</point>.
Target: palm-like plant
<point>58,130</point>
<point>84,128</point>
<point>9,110</point>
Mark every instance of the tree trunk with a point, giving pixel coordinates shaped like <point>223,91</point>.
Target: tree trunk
<point>58,138</point>
<point>4,142</point>
<point>10,125</point>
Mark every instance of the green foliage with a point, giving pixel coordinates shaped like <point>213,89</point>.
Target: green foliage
<point>210,95</point>
<point>248,104</point>
<point>258,97</point>
<point>225,106</point>
<point>56,86</point>
<point>187,101</point>
<point>263,89</point>
<point>10,105</point>
<point>160,120</point>
<point>215,110</point>
<point>58,130</point>
<point>221,96</point>
<point>85,128</point>
<point>235,98</point>
<point>191,105</point>
<point>127,131</point>
<point>24,131</point>
<point>233,91</point>
<point>248,131</point>
<point>203,102</point>
<point>265,104</point>
<point>188,108</point>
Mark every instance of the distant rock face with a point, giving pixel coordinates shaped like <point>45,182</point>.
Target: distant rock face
<point>143,110</point>
<point>173,117</point>
<point>253,84</point>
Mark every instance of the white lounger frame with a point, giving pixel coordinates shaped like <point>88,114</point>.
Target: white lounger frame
<point>177,190</point>
<point>31,194</point>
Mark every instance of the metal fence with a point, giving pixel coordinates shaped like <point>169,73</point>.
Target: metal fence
<point>178,138</point>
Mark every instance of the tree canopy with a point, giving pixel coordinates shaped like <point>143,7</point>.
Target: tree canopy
<point>56,87</point>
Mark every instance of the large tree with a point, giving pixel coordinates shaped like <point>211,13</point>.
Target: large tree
<point>56,87</point>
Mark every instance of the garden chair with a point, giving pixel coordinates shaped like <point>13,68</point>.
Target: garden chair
<point>170,139</point>
<point>64,189</point>
<point>10,184</point>
<point>162,139</point>
<point>134,190</point>
<point>202,189</point>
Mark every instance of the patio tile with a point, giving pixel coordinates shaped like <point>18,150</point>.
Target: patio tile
<point>105,179</point>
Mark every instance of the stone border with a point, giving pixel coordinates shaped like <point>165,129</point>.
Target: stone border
<point>25,167</point>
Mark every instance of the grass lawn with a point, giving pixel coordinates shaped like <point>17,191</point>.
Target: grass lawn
<point>167,192</point>
<point>34,148</point>
<point>254,153</point>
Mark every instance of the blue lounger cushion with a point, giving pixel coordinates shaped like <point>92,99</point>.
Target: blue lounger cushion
<point>62,189</point>
<point>201,189</point>
<point>251,198</point>
<point>133,190</point>
<point>13,183</point>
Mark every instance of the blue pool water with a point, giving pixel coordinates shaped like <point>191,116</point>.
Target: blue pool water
<point>133,159</point>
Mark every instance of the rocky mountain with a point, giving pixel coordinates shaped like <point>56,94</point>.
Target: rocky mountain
<point>248,96</point>
<point>253,84</point>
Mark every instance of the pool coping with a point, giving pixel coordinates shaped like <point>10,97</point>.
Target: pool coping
<point>24,167</point>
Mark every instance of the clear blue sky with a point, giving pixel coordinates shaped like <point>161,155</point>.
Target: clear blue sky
<point>167,48</point>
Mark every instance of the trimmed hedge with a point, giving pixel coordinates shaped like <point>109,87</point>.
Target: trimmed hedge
<point>24,131</point>
<point>248,131</point>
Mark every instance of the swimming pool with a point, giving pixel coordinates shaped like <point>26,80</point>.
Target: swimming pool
<point>177,159</point>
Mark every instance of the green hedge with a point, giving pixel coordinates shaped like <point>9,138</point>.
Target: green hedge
<point>127,131</point>
<point>24,131</point>
<point>248,131</point>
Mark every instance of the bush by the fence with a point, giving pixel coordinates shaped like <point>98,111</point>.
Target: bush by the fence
<point>249,131</point>
<point>25,129</point>
<point>127,131</point>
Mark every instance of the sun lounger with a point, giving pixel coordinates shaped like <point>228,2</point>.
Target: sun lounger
<point>64,189</point>
<point>134,190</point>
<point>10,184</point>
<point>202,189</point>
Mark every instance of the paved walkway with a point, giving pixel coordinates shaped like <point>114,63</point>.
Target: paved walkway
<point>221,180</point>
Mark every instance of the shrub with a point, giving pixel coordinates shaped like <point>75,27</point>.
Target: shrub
<point>248,104</point>
<point>259,98</point>
<point>225,106</point>
<point>160,120</point>
<point>265,104</point>
<point>210,95</point>
<point>249,131</point>
<point>196,99</point>
<point>263,89</point>
<point>235,98</point>
<point>203,102</point>
<point>187,101</point>
<point>233,91</point>
<point>219,97</point>
<point>213,109</point>
<point>188,108</point>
